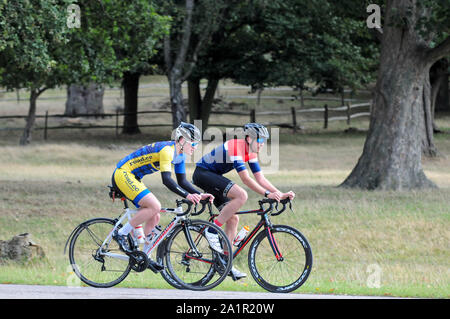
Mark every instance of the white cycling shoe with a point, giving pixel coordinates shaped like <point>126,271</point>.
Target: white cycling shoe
<point>236,274</point>
<point>214,241</point>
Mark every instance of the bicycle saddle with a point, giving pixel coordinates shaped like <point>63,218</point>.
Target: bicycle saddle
<point>114,192</point>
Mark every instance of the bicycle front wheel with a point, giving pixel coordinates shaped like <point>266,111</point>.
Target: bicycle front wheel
<point>96,265</point>
<point>191,261</point>
<point>280,260</point>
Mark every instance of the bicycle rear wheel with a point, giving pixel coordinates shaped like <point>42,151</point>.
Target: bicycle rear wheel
<point>92,263</point>
<point>190,260</point>
<point>291,269</point>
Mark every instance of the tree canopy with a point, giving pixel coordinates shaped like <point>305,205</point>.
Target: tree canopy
<point>262,43</point>
<point>40,50</point>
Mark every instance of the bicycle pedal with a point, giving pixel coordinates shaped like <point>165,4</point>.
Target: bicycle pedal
<point>152,268</point>
<point>155,267</point>
<point>233,276</point>
<point>236,277</point>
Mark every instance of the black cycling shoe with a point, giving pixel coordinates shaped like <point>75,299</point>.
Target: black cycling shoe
<point>122,240</point>
<point>155,266</point>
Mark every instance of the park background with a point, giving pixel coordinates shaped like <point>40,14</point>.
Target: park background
<point>388,241</point>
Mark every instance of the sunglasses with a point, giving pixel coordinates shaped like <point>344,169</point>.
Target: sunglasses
<point>261,140</point>
<point>194,144</point>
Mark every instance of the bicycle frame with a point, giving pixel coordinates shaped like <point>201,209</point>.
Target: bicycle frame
<point>155,242</point>
<point>265,221</point>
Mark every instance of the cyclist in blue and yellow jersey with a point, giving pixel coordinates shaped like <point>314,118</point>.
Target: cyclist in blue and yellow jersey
<point>158,156</point>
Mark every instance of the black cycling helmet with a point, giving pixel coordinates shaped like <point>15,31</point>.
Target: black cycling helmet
<point>256,130</point>
<point>188,131</point>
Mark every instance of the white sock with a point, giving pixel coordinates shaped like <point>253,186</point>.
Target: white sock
<point>125,230</point>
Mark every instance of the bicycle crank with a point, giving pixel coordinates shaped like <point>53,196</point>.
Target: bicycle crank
<point>138,261</point>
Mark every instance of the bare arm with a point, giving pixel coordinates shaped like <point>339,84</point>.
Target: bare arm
<point>253,185</point>
<point>262,180</point>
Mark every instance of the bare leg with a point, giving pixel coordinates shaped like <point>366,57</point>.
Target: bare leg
<point>227,215</point>
<point>148,213</point>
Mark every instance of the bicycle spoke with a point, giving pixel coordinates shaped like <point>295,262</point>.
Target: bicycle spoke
<point>94,237</point>
<point>88,259</point>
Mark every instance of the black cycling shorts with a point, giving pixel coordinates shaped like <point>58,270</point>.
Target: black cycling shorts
<point>214,184</point>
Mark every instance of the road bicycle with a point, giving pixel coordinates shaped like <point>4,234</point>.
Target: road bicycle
<point>280,257</point>
<point>98,261</point>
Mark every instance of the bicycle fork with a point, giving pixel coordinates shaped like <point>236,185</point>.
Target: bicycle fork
<point>189,239</point>
<point>271,238</point>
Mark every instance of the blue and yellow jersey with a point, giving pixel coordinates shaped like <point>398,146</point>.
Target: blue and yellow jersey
<point>158,156</point>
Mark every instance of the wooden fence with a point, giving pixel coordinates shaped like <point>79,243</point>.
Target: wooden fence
<point>294,114</point>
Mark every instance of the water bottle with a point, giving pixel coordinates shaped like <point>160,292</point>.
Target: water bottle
<point>139,235</point>
<point>241,235</point>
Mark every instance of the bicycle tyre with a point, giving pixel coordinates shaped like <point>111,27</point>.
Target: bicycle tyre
<point>280,276</point>
<point>192,272</point>
<point>160,258</point>
<point>83,260</point>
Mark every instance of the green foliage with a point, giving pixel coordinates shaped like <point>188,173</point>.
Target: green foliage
<point>31,33</point>
<point>262,43</point>
<point>38,49</point>
<point>115,37</point>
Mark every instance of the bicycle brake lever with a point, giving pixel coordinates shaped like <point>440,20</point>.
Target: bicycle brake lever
<point>286,201</point>
<point>210,208</point>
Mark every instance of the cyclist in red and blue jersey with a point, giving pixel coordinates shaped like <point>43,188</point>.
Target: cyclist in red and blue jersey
<point>228,196</point>
<point>158,156</point>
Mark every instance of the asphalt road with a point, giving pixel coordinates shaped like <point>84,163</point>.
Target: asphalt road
<point>62,292</point>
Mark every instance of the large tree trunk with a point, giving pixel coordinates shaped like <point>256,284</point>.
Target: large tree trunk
<point>194,99</point>
<point>400,123</point>
<point>440,100</point>
<point>84,99</point>
<point>176,101</point>
<point>200,109</point>
<point>131,88</point>
<point>175,66</point>
<point>175,59</point>
<point>26,136</point>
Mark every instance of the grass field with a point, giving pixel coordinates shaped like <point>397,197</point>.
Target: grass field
<point>369,243</point>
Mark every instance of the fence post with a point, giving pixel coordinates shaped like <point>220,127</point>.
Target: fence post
<point>252,116</point>
<point>325,116</point>
<point>45,125</point>
<point>117,123</point>
<point>294,119</point>
<point>348,113</point>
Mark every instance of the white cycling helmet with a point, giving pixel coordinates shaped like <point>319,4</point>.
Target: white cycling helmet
<point>255,130</point>
<point>188,131</point>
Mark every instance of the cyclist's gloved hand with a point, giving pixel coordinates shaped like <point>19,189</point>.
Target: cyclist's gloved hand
<point>194,198</point>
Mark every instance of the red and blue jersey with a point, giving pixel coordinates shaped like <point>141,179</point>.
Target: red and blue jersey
<point>233,154</point>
